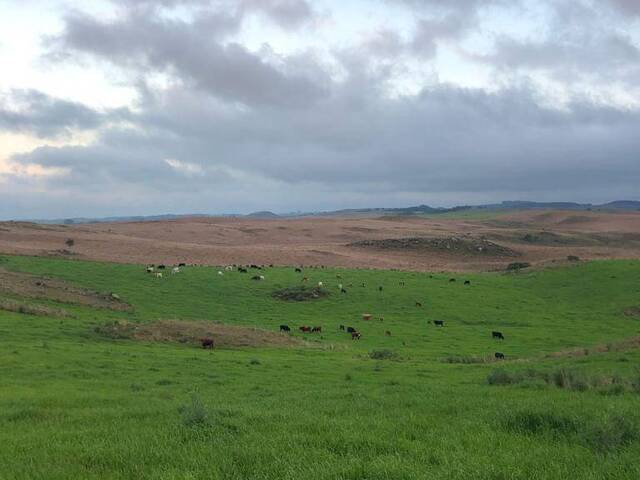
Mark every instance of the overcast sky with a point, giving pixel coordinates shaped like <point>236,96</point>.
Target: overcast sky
<point>129,107</point>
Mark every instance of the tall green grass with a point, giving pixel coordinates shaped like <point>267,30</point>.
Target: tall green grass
<point>76,404</point>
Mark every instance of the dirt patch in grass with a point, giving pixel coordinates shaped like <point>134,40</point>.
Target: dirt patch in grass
<point>300,294</point>
<point>30,309</point>
<point>32,286</point>
<point>619,346</point>
<point>632,312</point>
<point>191,333</point>
<point>465,245</point>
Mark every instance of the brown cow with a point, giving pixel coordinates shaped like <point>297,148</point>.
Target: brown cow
<point>387,333</point>
<point>355,336</point>
<point>316,330</point>
<point>305,329</point>
<point>207,343</point>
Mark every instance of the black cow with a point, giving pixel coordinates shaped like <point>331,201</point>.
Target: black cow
<point>161,267</point>
<point>452,279</point>
<point>418,304</point>
<point>342,290</point>
<point>285,328</point>
<point>438,323</point>
<point>207,343</point>
<point>350,330</point>
<point>387,333</point>
<point>298,270</point>
<point>355,336</point>
<point>316,330</point>
<point>242,270</point>
<point>467,282</point>
<point>182,265</point>
<point>497,335</point>
<point>401,284</point>
<point>256,277</point>
<point>380,288</point>
<point>499,356</point>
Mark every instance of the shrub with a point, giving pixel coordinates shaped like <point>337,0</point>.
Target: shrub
<point>70,242</point>
<point>502,377</point>
<point>383,355</point>
<point>254,361</point>
<point>518,266</point>
<point>539,423</point>
<point>612,434</point>
<point>194,413</point>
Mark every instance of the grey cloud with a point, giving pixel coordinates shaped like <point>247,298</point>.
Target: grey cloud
<point>31,111</point>
<point>194,53</point>
<point>445,140</point>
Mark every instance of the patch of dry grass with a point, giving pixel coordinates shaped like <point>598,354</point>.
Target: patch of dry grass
<point>191,332</point>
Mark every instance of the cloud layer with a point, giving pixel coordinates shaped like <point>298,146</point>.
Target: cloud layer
<point>222,123</point>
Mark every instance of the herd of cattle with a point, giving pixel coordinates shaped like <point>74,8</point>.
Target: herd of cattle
<point>355,335</point>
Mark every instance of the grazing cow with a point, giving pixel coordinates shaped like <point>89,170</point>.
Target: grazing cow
<point>401,284</point>
<point>363,285</point>
<point>175,270</point>
<point>257,277</point>
<point>387,333</point>
<point>298,270</point>
<point>339,286</point>
<point>207,343</point>
<point>342,290</point>
<point>366,316</point>
<point>220,273</point>
<point>381,319</point>
<point>228,268</point>
<point>452,279</point>
<point>316,330</point>
<point>350,329</point>
<point>320,284</point>
<point>262,277</point>
<point>418,304</point>
<point>338,277</point>
<point>254,266</point>
<point>285,328</point>
<point>149,269</point>
<point>467,282</point>
<point>438,323</point>
<point>305,329</point>
<point>499,356</point>
<point>380,288</point>
<point>242,270</point>
<point>305,279</point>
<point>161,267</point>
<point>182,264</point>
<point>497,335</point>
<point>355,336</point>
<point>159,275</point>
<point>341,327</point>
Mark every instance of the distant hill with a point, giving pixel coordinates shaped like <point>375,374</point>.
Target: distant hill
<point>264,214</point>
<point>381,211</point>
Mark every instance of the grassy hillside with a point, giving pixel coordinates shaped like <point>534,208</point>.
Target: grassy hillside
<point>76,403</point>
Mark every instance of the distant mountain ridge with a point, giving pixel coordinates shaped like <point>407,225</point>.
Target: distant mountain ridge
<point>415,210</point>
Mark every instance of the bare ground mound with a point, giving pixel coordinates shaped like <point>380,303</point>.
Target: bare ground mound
<point>632,312</point>
<point>32,286</point>
<point>299,294</point>
<point>453,245</point>
<point>191,333</point>
<point>30,309</point>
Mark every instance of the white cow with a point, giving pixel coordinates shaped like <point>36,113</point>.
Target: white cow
<point>175,270</point>
<point>320,284</point>
<point>261,277</point>
<point>220,273</point>
<point>159,275</point>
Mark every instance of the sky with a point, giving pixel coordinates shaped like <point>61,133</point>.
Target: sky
<point>143,107</point>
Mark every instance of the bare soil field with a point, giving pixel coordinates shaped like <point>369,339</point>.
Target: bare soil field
<point>413,243</point>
